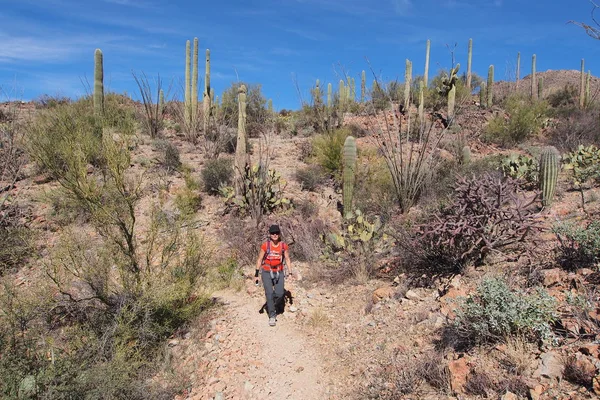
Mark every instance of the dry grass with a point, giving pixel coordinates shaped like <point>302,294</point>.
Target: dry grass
<point>318,318</point>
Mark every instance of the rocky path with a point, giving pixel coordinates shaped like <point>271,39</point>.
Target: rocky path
<point>242,357</point>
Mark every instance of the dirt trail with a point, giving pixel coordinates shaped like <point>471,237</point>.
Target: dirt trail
<point>245,358</point>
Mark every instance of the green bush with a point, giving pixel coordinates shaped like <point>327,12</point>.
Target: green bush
<point>525,120</point>
<point>496,312</point>
<point>216,173</point>
<point>257,114</point>
<point>188,199</point>
<point>327,150</point>
<point>310,177</point>
<point>578,246</point>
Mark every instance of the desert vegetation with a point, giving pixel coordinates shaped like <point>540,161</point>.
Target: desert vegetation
<point>119,219</point>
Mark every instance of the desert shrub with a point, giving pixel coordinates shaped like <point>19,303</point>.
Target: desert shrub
<point>525,119</point>
<point>496,312</point>
<point>47,101</point>
<point>119,113</point>
<point>305,150</point>
<point>565,98</point>
<point>257,114</point>
<point>188,199</point>
<point>216,173</point>
<point>576,372</point>
<point>374,188</point>
<point>514,384</point>
<point>310,177</point>
<point>486,215</point>
<point>379,96</point>
<point>436,100</point>
<point>578,246</point>
<point>327,149</point>
<point>480,383</point>
<point>169,158</point>
<point>579,127</point>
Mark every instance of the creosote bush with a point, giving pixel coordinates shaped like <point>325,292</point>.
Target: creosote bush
<point>327,150</point>
<point>496,312</point>
<point>216,173</point>
<point>525,119</point>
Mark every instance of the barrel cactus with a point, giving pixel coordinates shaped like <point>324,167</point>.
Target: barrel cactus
<point>549,166</point>
<point>348,175</point>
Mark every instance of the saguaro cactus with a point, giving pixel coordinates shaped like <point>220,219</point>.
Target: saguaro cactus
<point>587,88</point>
<point>329,94</point>
<point>482,95</point>
<point>490,87</point>
<point>540,88</point>
<point>194,110</point>
<point>240,149</point>
<point>421,102</point>
<point>533,82</point>
<point>98,83</point>
<point>207,99</point>
<point>407,82</point>
<point>450,82</point>
<point>161,102</point>
<point>426,72</point>
<point>348,175</point>
<point>363,86</point>
<point>187,104</point>
<point>342,95</point>
<point>465,157</point>
<point>582,85</point>
<point>549,166</point>
<point>469,60</point>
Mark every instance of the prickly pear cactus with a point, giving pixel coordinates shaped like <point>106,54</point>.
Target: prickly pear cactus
<point>549,167</point>
<point>348,174</point>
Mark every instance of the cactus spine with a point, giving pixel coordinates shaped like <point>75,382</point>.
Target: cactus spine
<point>240,149</point>
<point>548,174</point>
<point>329,94</point>
<point>469,60</point>
<point>348,175</point>
<point>194,110</point>
<point>407,81</point>
<point>490,87</point>
<point>187,104</point>
<point>98,83</point>
<point>207,89</point>
<point>518,68</point>
<point>363,86</point>
<point>533,83</point>
<point>426,72</point>
<point>582,85</point>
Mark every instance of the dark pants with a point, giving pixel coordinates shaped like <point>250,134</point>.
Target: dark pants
<point>273,290</point>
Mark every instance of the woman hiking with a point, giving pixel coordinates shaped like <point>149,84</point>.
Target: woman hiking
<point>270,263</point>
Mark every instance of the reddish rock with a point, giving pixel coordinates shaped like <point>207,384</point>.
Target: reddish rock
<point>448,301</point>
<point>459,371</point>
<point>590,349</point>
<point>381,293</point>
<point>551,277</point>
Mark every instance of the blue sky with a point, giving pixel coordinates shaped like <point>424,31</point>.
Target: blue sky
<point>47,46</point>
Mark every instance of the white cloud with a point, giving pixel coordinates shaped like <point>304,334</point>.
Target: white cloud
<point>402,7</point>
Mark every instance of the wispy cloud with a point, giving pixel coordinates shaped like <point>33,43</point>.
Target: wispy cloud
<point>403,7</point>
<point>308,34</point>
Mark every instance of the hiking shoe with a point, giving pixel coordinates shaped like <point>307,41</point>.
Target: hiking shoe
<point>272,321</point>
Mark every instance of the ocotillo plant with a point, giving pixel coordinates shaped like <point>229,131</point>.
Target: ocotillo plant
<point>187,104</point>
<point>363,86</point>
<point>533,82</point>
<point>549,166</point>
<point>490,87</point>
<point>518,68</point>
<point>240,149</point>
<point>469,59</point>
<point>407,83</point>
<point>206,99</point>
<point>426,72</point>
<point>194,106</point>
<point>348,175</point>
<point>582,85</point>
<point>98,83</point>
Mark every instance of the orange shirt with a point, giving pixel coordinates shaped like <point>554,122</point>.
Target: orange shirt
<point>274,259</point>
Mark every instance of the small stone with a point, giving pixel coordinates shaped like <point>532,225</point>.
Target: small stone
<point>293,309</point>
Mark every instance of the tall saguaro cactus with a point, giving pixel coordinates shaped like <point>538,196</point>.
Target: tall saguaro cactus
<point>241,157</point>
<point>363,86</point>
<point>187,104</point>
<point>407,82</point>
<point>549,167</point>
<point>348,175</point>
<point>206,99</point>
<point>452,79</point>
<point>98,83</point>
<point>587,88</point>
<point>483,95</point>
<point>469,60</point>
<point>490,86</point>
<point>540,93</point>
<point>533,81</point>
<point>426,72</point>
<point>342,95</point>
<point>518,68</point>
<point>421,108</point>
<point>194,110</point>
<point>582,85</point>
<point>329,94</point>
